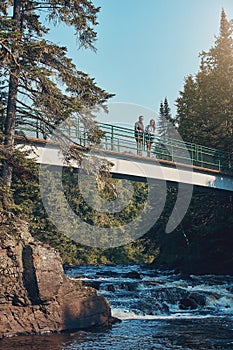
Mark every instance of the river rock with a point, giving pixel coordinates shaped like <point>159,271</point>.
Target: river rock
<point>35,295</point>
<point>199,298</point>
<point>133,275</point>
<point>187,304</point>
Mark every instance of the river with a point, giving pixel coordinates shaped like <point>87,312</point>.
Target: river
<point>158,310</point>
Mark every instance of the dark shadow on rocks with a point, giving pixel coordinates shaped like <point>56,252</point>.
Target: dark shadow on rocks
<point>29,276</point>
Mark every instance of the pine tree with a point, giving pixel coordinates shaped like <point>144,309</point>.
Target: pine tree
<point>161,127</point>
<point>167,110</point>
<point>187,111</point>
<point>216,87</point>
<point>39,85</point>
<point>168,117</point>
<point>205,107</point>
<point>165,122</point>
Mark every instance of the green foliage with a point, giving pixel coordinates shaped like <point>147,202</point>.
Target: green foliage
<point>166,123</point>
<point>45,88</point>
<point>204,108</point>
<point>162,124</point>
<point>201,243</point>
<point>27,204</point>
<point>40,66</point>
<point>40,87</point>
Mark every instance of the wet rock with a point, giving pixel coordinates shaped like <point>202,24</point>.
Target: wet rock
<point>150,307</point>
<point>199,298</point>
<point>188,304</point>
<point>165,308</point>
<point>93,284</point>
<point>35,295</point>
<point>230,289</point>
<point>115,320</point>
<point>129,286</point>
<point>133,275</point>
<point>171,295</point>
<point>144,307</point>
<point>111,288</point>
<point>107,273</point>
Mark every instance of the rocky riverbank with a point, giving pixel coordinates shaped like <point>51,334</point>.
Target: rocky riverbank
<point>35,295</point>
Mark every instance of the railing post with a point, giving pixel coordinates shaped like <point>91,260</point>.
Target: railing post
<point>112,137</point>
<point>172,152</point>
<point>37,128</point>
<point>77,130</point>
<point>106,143</point>
<point>201,154</point>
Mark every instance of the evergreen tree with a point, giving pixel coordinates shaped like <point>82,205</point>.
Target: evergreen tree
<point>39,85</point>
<point>205,107</point>
<point>167,110</point>
<point>165,122</point>
<point>187,111</point>
<point>161,127</point>
<point>168,117</point>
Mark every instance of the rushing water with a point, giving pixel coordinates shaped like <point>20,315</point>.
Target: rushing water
<point>159,310</point>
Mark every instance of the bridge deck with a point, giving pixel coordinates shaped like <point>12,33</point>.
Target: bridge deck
<point>137,167</point>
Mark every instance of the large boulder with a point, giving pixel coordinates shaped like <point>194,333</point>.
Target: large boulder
<point>35,295</point>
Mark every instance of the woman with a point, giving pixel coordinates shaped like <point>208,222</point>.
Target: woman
<point>150,134</point>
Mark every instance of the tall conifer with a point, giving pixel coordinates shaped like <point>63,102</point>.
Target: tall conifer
<point>161,127</point>
<point>39,84</point>
<point>165,122</point>
<point>205,106</point>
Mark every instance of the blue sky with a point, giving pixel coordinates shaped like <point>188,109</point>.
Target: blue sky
<point>145,48</point>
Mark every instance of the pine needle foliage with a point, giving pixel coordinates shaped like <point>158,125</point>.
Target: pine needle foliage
<point>40,86</point>
<point>204,107</point>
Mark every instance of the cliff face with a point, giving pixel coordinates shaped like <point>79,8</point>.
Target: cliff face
<point>35,295</point>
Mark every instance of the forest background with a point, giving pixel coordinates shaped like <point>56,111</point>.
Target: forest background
<point>41,87</point>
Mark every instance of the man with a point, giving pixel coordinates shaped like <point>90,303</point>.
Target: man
<point>138,132</point>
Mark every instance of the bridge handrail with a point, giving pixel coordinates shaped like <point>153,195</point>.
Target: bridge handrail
<point>122,139</point>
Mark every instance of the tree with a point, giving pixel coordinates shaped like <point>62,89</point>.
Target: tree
<point>187,116</point>
<point>39,86</point>
<point>169,120</point>
<point>161,127</point>
<point>205,106</point>
<point>165,122</point>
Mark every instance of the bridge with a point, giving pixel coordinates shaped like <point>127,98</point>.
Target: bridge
<point>171,160</point>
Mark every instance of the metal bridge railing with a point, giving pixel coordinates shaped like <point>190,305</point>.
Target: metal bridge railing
<point>122,139</point>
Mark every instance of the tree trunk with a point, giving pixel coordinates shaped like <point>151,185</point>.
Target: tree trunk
<point>9,128</point>
<point>9,125</point>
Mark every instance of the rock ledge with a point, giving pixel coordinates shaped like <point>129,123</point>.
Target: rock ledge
<point>35,295</point>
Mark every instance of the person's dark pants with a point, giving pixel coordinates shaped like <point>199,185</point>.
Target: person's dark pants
<point>139,140</point>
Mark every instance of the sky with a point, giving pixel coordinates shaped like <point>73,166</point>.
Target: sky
<point>145,49</point>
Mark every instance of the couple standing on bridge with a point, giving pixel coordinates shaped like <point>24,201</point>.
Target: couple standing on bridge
<point>142,134</point>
